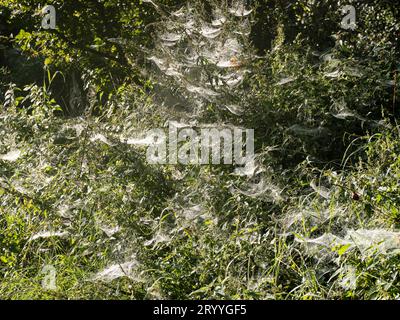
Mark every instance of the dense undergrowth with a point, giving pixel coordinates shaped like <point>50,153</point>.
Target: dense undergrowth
<point>315,216</point>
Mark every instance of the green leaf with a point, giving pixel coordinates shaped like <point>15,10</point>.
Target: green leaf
<point>48,61</point>
<point>343,249</point>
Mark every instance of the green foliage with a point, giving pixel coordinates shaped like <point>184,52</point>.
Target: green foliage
<point>317,220</point>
